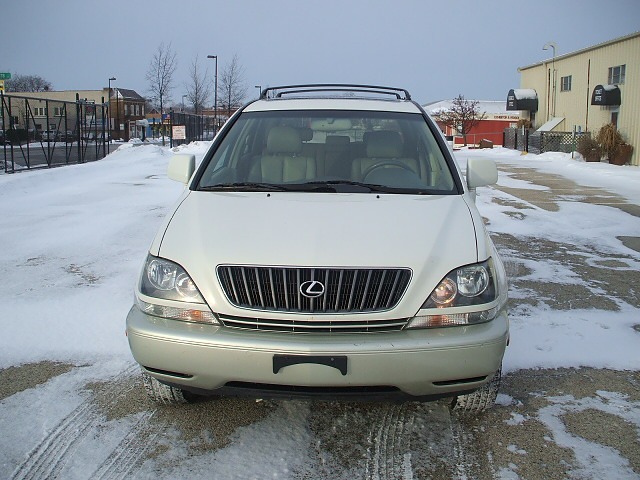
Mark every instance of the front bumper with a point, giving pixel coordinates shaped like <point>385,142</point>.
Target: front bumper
<point>428,362</point>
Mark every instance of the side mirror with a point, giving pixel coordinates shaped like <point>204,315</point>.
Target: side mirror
<point>181,167</point>
<point>481,172</point>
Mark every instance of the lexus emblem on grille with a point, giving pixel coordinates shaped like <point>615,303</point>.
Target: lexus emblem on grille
<point>312,289</point>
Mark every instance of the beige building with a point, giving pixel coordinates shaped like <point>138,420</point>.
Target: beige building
<point>584,90</point>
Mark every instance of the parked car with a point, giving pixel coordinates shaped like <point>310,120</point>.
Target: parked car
<point>49,135</point>
<point>326,245</point>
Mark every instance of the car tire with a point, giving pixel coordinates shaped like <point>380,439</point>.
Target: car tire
<point>161,393</point>
<point>476,402</point>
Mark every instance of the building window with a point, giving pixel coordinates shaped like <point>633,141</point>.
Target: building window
<point>39,112</point>
<point>616,75</point>
<point>565,83</point>
<point>58,111</point>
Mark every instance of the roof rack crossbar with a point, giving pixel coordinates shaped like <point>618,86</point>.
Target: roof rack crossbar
<point>399,93</point>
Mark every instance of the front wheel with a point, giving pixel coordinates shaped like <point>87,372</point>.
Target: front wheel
<point>479,401</point>
<point>161,393</point>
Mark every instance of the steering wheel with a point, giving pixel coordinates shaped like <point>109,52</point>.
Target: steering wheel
<point>387,163</point>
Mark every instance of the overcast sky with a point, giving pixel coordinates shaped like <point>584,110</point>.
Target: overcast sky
<point>435,49</point>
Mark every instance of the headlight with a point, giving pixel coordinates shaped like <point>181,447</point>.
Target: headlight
<point>468,286</point>
<point>167,281</point>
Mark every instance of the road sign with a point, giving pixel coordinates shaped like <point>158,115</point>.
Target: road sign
<point>5,76</point>
<point>179,132</point>
<point>2,86</point>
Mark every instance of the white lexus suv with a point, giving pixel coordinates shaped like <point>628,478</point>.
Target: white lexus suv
<point>327,245</point>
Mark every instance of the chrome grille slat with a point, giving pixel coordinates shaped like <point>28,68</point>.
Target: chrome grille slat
<point>347,291</point>
<point>326,326</point>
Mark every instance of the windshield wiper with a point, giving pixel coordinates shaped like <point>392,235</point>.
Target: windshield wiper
<point>244,187</point>
<point>331,185</point>
<point>334,186</point>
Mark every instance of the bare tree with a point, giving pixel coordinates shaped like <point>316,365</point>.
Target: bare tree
<point>27,83</point>
<point>232,90</point>
<point>462,116</point>
<point>198,90</point>
<point>160,75</point>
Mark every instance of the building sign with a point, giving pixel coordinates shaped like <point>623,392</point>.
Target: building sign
<point>500,116</point>
<point>179,132</point>
<point>522,99</point>
<point>606,95</point>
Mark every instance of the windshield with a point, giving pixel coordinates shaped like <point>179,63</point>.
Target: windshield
<point>329,151</point>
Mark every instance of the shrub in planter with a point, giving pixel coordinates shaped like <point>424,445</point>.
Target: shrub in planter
<point>622,155</point>
<point>589,148</point>
<point>609,139</point>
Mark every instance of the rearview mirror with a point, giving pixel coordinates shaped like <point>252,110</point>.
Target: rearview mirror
<point>181,167</point>
<point>481,172</point>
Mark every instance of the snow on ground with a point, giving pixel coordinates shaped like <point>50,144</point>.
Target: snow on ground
<point>74,239</point>
<point>542,336</point>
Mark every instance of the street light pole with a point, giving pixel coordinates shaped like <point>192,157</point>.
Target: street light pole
<point>215,96</point>
<point>110,80</point>
<point>553,74</point>
<point>183,102</point>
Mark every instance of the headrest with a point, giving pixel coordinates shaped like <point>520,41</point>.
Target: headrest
<point>384,144</point>
<point>284,140</point>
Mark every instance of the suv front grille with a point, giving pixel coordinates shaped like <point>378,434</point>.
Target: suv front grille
<point>348,324</point>
<point>345,290</point>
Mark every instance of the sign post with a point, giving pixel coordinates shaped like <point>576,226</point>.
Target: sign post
<point>1,86</point>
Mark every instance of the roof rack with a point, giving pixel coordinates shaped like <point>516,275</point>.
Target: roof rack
<point>278,92</point>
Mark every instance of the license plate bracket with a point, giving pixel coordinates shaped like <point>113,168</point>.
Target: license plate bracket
<point>339,362</point>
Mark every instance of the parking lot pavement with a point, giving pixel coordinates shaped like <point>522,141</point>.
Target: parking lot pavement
<point>549,423</point>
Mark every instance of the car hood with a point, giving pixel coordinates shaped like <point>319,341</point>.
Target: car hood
<point>431,235</point>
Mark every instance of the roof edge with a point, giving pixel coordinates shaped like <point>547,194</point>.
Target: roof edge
<point>583,50</point>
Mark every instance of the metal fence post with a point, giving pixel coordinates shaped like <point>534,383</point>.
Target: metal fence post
<point>171,128</point>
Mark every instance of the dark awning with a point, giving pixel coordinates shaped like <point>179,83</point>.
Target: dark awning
<point>522,99</point>
<point>606,95</point>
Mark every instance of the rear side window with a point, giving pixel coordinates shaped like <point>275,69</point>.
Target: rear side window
<point>395,150</point>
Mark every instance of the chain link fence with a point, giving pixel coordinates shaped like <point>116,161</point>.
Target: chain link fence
<point>44,133</point>
<point>196,127</point>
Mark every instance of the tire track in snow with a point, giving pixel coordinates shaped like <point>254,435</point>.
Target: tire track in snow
<point>133,447</point>
<point>391,441</point>
<point>50,456</point>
